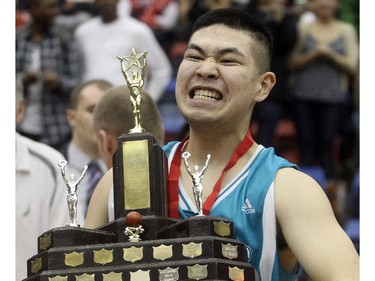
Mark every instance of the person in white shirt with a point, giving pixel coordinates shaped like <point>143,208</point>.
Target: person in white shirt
<point>103,38</point>
<point>41,196</point>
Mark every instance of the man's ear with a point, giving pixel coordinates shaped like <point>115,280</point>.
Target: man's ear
<point>107,145</point>
<point>266,82</point>
<point>20,111</point>
<point>70,114</point>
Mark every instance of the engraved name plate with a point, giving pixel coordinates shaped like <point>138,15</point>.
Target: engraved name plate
<point>58,278</point>
<point>133,254</point>
<point>192,250</point>
<point>140,275</point>
<point>197,272</point>
<point>45,242</point>
<point>168,274</point>
<point>112,276</point>
<point>74,259</point>
<point>229,251</point>
<point>222,228</point>
<point>236,273</point>
<point>36,265</point>
<point>103,256</point>
<point>136,175</point>
<point>85,277</point>
<point>162,252</point>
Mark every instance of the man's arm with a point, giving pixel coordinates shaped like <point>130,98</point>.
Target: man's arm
<point>97,213</point>
<point>311,230</point>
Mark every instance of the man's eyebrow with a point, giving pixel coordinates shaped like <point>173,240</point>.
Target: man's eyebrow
<point>220,52</point>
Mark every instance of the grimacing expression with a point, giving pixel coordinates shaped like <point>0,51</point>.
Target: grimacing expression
<point>218,77</point>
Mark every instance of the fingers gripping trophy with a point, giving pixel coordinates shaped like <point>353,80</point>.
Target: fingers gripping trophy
<point>133,68</point>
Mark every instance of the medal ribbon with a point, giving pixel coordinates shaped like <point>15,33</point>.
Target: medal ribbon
<point>174,176</point>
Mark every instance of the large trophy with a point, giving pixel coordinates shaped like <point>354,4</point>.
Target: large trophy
<point>142,243</point>
<point>139,163</point>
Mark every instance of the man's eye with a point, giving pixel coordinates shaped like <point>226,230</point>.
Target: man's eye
<point>229,61</point>
<point>193,57</point>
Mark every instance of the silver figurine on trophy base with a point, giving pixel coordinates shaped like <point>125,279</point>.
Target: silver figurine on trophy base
<point>72,185</point>
<point>196,176</point>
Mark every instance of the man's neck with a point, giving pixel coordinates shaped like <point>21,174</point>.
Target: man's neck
<point>220,146</point>
<point>91,152</point>
<point>109,19</point>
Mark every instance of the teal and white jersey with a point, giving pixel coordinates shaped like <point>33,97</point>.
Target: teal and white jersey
<point>248,201</point>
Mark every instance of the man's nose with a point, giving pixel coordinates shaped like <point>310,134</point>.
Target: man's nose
<point>207,68</point>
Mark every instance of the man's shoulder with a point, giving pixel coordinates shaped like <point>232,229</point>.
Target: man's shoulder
<point>132,24</point>
<point>88,25</point>
<point>40,149</point>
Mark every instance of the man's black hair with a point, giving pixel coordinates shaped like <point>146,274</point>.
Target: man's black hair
<point>237,18</point>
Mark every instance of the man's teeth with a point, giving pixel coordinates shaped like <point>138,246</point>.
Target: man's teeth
<point>206,95</point>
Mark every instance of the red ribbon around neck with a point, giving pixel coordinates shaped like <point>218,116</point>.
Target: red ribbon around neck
<point>174,175</point>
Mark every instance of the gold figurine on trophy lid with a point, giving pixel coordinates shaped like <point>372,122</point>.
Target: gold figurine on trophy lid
<point>133,68</point>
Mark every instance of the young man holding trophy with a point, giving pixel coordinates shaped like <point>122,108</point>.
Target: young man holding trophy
<point>280,213</point>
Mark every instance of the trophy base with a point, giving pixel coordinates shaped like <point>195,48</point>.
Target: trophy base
<point>72,236</point>
<point>190,258</point>
<point>151,224</point>
<point>198,226</point>
<point>199,248</point>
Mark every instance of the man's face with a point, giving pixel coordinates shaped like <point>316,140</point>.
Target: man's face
<point>81,118</point>
<point>217,82</point>
<point>106,7</point>
<point>45,12</point>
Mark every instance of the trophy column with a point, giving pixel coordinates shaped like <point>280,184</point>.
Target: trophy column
<point>139,173</point>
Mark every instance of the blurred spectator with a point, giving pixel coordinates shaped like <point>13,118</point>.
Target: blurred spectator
<point>113,116</point>
<point>46,61</point>
<point>324,61</point>
<point>40,192</point>
<point>75,12</point>
<point>283,26</point>
<point>83,147</point>
<point>160,15</point>
<point>103,38</point>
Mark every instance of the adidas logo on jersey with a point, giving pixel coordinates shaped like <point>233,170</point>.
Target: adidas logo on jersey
<point>247,207</point>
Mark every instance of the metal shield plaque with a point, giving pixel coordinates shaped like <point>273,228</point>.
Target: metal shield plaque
<point>74,259</point>
<point>236,273</point>
<point>133,254</point>
<point>58,278</point>
<point>136,175</point>
<point>222,228</point>
<point>103,256</point>
<point>229,251</point>
<point>112,276</point>
<point>162,252</point>
<point>168,274</point>
<point>36,265</point>
<point>45,241</point>
<point>140,275</point>
<point>197,272</point>
<point>192,250</point>
<point>85,277</point>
